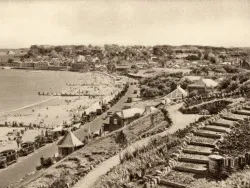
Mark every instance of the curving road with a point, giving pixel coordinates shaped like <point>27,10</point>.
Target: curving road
<point>26,165</point>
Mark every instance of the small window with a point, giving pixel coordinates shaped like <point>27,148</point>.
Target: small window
<point>115,121</point>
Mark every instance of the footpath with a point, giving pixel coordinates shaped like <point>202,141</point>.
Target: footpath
<point>180,121</point>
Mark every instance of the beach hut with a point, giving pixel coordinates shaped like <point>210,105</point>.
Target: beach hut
<point>68,144</point>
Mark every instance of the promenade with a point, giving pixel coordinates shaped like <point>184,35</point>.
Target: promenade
<point>28,164</point>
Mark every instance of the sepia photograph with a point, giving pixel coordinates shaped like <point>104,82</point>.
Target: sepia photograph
<point>124,94</point>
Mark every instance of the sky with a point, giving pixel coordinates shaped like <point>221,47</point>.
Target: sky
<point>143,22</point>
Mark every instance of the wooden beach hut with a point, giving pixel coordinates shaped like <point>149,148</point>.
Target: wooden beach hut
<point>68,144</point>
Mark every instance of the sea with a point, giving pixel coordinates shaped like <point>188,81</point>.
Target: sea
<point>19,88</point>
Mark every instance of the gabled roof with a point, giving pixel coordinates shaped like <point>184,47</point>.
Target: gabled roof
<point>128,113</point>
<point>69,141</point>
<point>177,93</point>
<point>199,83</point>
<point>149,109</point>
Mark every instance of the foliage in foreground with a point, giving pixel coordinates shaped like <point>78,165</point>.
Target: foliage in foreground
<point>237,141</point>
<point>135,165</point>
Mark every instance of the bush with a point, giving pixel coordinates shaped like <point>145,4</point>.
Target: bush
<point>237,141</point>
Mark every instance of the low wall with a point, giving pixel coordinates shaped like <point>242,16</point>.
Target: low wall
<point>211,107</point>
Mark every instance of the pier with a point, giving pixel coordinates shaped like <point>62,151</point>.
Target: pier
<point>67,94</point>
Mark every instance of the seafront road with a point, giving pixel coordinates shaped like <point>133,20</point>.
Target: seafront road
<point>26,165</point>
<point>180,121</point>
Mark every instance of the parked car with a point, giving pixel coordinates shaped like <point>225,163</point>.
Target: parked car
<point>129,100</point>
<point>27,148</point>
<point>52,137</point>
<point>126,107</point>
<point>40,141</point>
<point>8,157</point>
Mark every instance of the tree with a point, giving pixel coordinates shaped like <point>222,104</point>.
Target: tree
<point>199,55</point>
<point>206,56</point>
<point>233,86</point>
<point>167,117</point>
<point>184,83</point>
<point>193,93</point>
<point>149,92</point>
<point>205,70</point>
<point>58,49</point>
<point>224,83</point>
<point>10,61</point>
<point>231,69</point>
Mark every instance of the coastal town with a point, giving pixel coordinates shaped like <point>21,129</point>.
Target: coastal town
<point>124,94</point>
<point>132,97</point>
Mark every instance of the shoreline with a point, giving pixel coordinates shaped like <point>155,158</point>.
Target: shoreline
<point>54,111</point>
<point>28,106</point>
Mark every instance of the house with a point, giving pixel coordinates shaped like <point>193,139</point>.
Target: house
<point>178,93</point>
<point>123,118</point>
<point>28,65</point>
<point>68,144</point>
<point>126,116</point>
<point>101,68</point>
<point>80,67</point>
<point>199,86</point>
<point>81,59</point>
<point>17,64</point>
<point>41,65</point>
<point>4,59</point>
<point>202,85</point>
<point>19,55</point>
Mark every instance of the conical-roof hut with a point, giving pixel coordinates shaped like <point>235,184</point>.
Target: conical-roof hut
<point>68,144</point>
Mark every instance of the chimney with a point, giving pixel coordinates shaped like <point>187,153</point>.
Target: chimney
<point>122,114</point>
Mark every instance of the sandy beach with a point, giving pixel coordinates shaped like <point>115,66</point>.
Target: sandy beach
<point>54,111</point>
